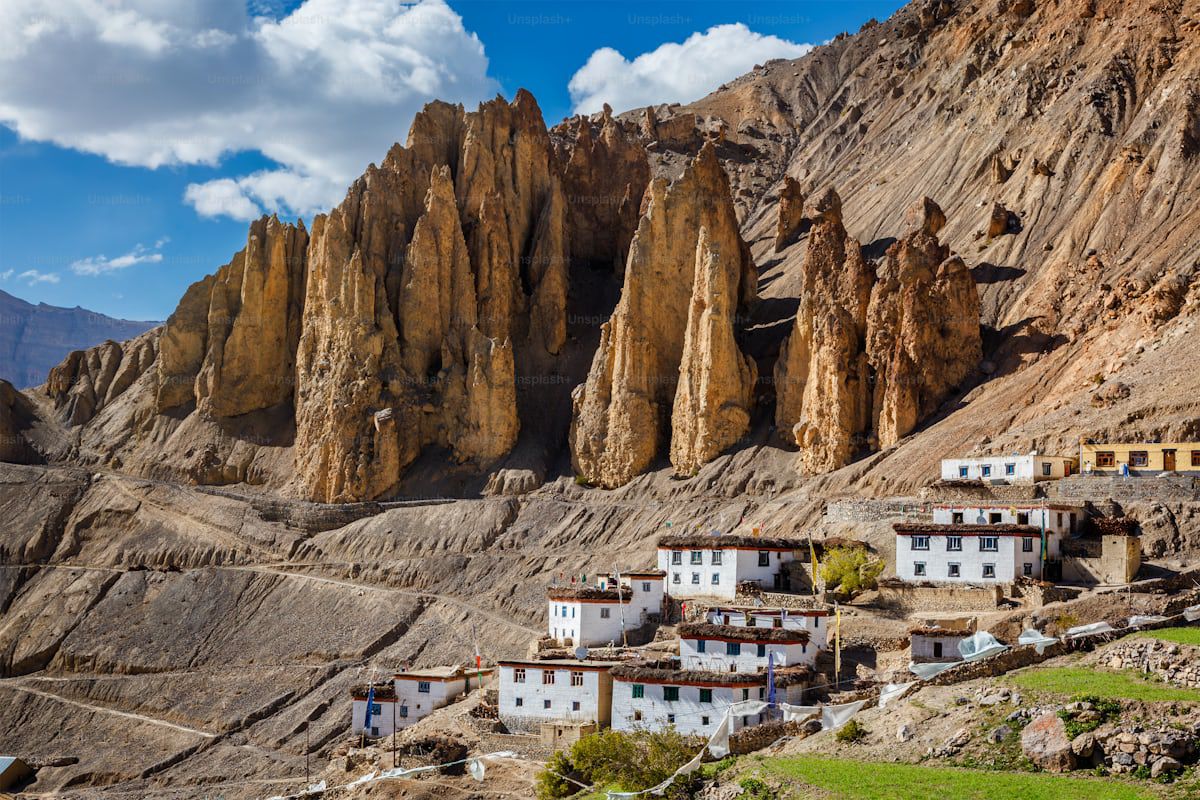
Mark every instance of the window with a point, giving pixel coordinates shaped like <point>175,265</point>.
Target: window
<point>995,517</point>
<point>1046,469</point>
<point>554,611</point>
<point>576,678</point>
<point>953,571</point>
<point>376,709</point>
<point>1106,459</point>
<point>1139,458</point>
<point>545,704</point>
<point>1027,569</point>
<point>1010,469</point>
<point>564,611</point>
<point>733,648</point>
<point>764,558</point>
<point>605,613</point>
<point>670,693</point>
<point>1196,458</point>
<point>777,622</point>
<point>920,543</point>
<point>697,557</point>
<point>706,695</point>
<point>953,544</point>
<point>637,716</point>
<point>676,556</point>
<point>989,570</point>
<point>547,677</point>
<point>716,557</point>
<point>675,578</point>
<point>985,471</point>
<point>701,645</point>
<point>423,687</point>
<point>704,720</point>
<point>989,544</point>
<point>1060,519</point>
<point>919,569</point>
<point>762,693</point>
<point>374,730</point>
<point>716,579</point>
<point>404,709</point>
<point>645,586</point>
<point>574,705</point>
<point>670,719</point>
<point>937,649</point>
<point>520,701</point>
<point>637,691</point>
<point>962,472</point>
<point>519,675</point>
<point>762,651</point>
<point>956,517</point>
<point>1027,545</point>
<point>572,612</point>
<point>696,578</point>
<point>745,694</point>
<point>1023,518</point>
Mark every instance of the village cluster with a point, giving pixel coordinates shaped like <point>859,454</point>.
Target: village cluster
<point>750,619</point>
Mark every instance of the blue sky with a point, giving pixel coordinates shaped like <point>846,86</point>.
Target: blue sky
<point>136,142</point>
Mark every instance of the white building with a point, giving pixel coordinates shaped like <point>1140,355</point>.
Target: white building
<point>411,696</point>
<point>554,690</point>
<point>971,554</point>
<point>590,615</point>
<point>692,701</point>
<point>813,620</point>
<point>713,566</point>
<point>1059,518</point>
<point>728,648</point>
<point>935,644</point>
<point>1009,469</point>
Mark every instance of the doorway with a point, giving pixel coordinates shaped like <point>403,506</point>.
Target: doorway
<point>1169,460</point>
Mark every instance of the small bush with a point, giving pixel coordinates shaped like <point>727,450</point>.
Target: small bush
<point>581,480</point>
<point>754,789</point>
<point>850,732</point>
<point>627,761</point>
<point>551,785</point>
<point>850,570</point>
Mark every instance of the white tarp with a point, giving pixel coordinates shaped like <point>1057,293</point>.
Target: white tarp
<point>1087,630</point>
<point>834,717</point>
<point>1039,640</point>
<point>793,713</point>
<point>980,645</point>
<point>928,670</point>
<point>1137,620</point>
<point>1191,613</point>
<point>477,769</point>
<point>892,691</point>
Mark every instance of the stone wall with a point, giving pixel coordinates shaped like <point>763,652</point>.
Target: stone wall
<point>1097,488</point>
<point>779,600</point>
<point>1174,663</point>
<point>525,745</point>
<point>756,737</point>
<point>858,510</point>
<point>908,598</point>
<point>976,493</point>
<point>1038,594</point>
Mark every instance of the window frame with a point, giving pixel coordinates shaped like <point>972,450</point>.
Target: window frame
<point>706,696</point>
<point>985,568</point>
<point>919,569</point>
<point>954,544</point>
<point>954,569</point>
<point>919,543</point>
<point>1139,458</point>
<point>1010,470</point>
<point>995,544</point>
<point>1026,544</point>
<point>1106,458</point>
<point>518,675</point>
<point>637,691</point>
<point>547,677</point>
<point>670,694</point>
<point>576,677</point>
<point>733,648</point>
<point>424,687</point>
<point>715,558</point>
<point>985,471</point>
<point>695,557</point>
<point>764,558</point>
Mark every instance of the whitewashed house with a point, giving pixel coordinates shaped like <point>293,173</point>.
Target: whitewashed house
<point>813,620</point>
<point>713,566</point>
<point>384,717</point>
<point>554,690</point>
<point>1012,469</point>
<point>694,702</point>
<point>930,644</point>
<point>593,615</point>
<point>729,648</point>
<point>422,691</point>
<point>970,553</point>
<point>1062,519</point>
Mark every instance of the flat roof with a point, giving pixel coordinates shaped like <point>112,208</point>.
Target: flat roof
<point>1010,455</point>
<point>737,633</point>
<point>593,594</point>
<point>932,529</point>
<point>1021,505</point>
<point>440,673</point>
<point>562,663</point>
<point>703,541</point>
<point>634,673</point>
<point>771,612</point>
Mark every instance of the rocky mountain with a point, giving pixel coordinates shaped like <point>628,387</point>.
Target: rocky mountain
<point>34,338</point>
<point>969,228</point>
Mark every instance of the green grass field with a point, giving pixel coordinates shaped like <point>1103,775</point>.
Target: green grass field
<point>857,780</point>
<point>1127,685</point>
<point>1177,635</point>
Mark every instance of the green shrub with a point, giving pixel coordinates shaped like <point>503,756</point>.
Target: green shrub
<point>754,789</point>
<point>850,570</point>
<point>551,785</point>
<point>850,732</point>
<point>629,761</point>
<point>1105,708</point>
<point>581,480</point>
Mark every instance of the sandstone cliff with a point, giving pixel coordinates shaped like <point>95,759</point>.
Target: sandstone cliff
<point>622,416</point>
<point>90,379</point>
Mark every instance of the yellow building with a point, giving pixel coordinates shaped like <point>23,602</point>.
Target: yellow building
<point>1141,457</point>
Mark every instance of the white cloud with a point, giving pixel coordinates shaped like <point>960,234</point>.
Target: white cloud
<point>102,265</point>
<point>8,273</point>
<point>674,72</point>
<point>32,276</point>
<point>322,91</point>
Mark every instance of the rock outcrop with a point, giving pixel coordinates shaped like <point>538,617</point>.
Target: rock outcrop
<point>622,419</point>
<point>15,416</point>
<point>822,380</point>
<point>871,355</point>
<point>923,335</point>
<point>791,213</point>
<point>88,380</point>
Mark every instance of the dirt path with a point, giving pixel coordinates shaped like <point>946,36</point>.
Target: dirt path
<point>19,686</point>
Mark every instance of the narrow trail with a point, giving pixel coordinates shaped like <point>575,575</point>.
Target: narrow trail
<point>18,685</point>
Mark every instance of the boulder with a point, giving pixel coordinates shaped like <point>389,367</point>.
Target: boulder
<point>1084,745</point>
<point>1044,742</point>
<point>1164,765</point>
<point>791,213</point>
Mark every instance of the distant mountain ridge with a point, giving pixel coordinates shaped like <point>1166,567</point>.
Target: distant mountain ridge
<point>33,338</point>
